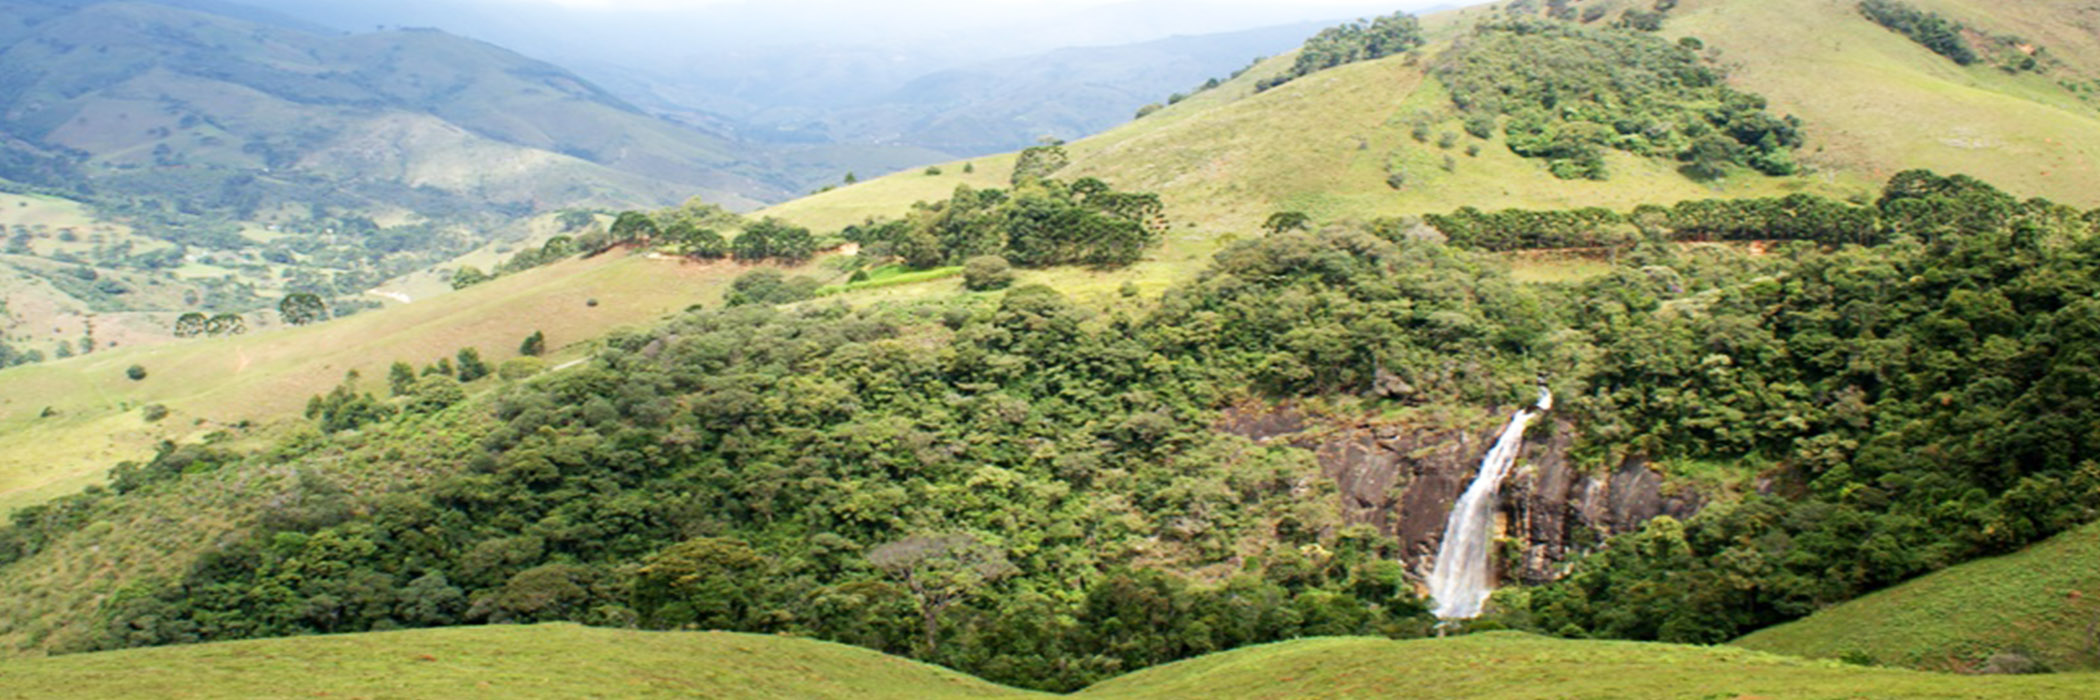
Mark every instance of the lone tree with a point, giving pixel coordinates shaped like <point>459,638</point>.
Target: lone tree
<point>633,226</point>
<point>470,365</point>
<point>301,308</point>
<point>225,324</point>
<point>534,345</point>
<point>1282,221</point>
<point>941,570</point>
<point>189,325</point>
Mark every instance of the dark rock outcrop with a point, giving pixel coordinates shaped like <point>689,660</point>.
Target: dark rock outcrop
<point>1403,480</point>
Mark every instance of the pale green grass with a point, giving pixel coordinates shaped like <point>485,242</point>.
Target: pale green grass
<point>561,660</point>
<point>1515,665</point>
<point>542,661</point>
<point>1876,103</point>
<point>2043,602</point>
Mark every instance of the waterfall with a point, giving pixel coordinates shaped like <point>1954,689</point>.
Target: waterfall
<point>1459,583</point>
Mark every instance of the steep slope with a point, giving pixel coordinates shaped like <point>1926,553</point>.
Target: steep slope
<point>2040,605</point>
<point>153,96</point>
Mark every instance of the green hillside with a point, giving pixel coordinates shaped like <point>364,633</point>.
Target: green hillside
<point>66,422</point>
<point>1513,665</point>
<point>562,660</point>
<point>1873,103</point>
<point>540,661</point>
<point>2041,605</point>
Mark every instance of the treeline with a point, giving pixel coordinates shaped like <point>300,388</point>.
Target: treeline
<point>1929,29</point>
<point>1039,223</point>
<point>1795,217</point>
<point>1638,93</point>
<point>1351,42</point>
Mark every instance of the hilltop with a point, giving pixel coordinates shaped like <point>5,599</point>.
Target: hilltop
<point>1871,101</point>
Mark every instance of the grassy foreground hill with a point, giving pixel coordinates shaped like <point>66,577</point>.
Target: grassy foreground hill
<point>563,660</point>
<point>2041,604</point>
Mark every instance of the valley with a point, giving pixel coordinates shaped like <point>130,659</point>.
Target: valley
<point>1182,407</point>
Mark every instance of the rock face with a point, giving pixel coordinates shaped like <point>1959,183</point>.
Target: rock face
<point>1404,480</point>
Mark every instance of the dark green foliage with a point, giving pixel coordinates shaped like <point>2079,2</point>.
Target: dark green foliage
<point>633,227</point>
<point>1349,43</point>
<point>300,308</point>
<point>554,250</point>
<point>468,276</point>
<point>435,392</point>
<point>1037,224</point>
<point>772,238</point>
<point>1796,217</point>
<point>470,365</point>
<point>1932,400</point>
<point>189,325</point>
<point>1282,221</point>
<point>225,324</point>
<point>770,286</point>
<point>153,412</point>
<point>343,408</point>
<point>987,272</point>
<point>1942,35</point>
<point>534,345</point>
<point>135,372</point>
<point>1571,92</point>
<point>1039,162</point>
<point>400,378</point>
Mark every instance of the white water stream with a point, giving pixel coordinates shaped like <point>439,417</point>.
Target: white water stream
<point>1459,583</point>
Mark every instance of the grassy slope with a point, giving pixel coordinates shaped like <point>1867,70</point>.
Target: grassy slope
<point>212,383</point>
<point>559,660</point>
<point>2043,601</point>
<point>1877,103</point>
<point>1515,665</point>
<point>564,660</point>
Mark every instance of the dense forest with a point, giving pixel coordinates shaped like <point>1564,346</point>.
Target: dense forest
<point>1565,93</point>
<point>1031,490</point>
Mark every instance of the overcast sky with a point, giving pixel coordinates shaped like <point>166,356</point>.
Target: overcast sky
<point>1021,26</point>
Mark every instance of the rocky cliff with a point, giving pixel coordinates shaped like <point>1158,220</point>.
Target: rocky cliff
<point>1403,480</point>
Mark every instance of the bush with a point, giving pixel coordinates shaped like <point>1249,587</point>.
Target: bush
<point>987,272</point>
<point>517,368</point>
<point>135,372</point>
<point>435,392</point>
<point>153,412</point>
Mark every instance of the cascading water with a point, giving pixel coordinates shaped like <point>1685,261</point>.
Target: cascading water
<point>1459,583</point>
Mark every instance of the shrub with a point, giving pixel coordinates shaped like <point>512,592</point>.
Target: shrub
<point>135,372</point>
<point>153,412</point>
<point>517,368</point>
<point>987,272</point>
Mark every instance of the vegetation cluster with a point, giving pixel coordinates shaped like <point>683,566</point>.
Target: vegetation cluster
<point>1350,42</point>
<point>1566,93</point>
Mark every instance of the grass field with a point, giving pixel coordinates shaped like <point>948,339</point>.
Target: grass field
<point>2042,602</point>
<point>548,661</point>
<point>562,660</point>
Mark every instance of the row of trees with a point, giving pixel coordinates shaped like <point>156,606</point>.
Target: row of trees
<point>1351,42</point>
<point>1795,217</point>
